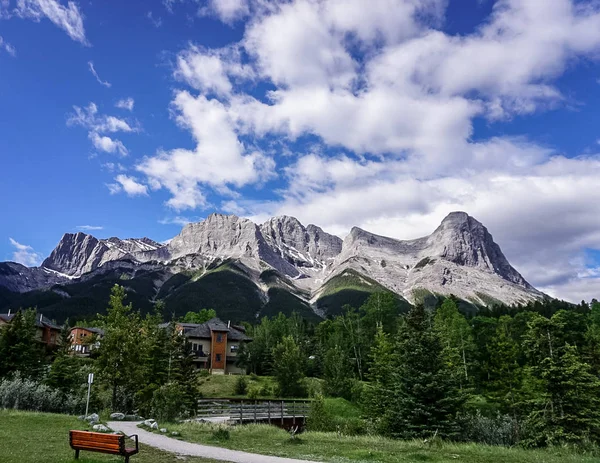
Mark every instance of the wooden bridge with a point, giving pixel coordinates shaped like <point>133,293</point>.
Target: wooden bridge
<point>283,413</point>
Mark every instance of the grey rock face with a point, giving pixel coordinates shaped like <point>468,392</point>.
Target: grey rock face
<point>303,247</point>
<point>80,253</point>
<point>460,257</point>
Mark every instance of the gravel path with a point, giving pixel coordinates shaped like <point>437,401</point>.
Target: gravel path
<point>169,444</point>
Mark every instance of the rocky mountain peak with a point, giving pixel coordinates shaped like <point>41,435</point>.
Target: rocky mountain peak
<point>75,254</point>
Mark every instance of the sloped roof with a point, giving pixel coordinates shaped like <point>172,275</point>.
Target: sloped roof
<point>93,330</point>
<point>203,331</point>
<point>40,321</point>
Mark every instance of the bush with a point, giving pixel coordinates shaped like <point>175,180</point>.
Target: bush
<point>253,377</point>
<point>497,430</point>
<point>319,418</point>
<point>204,373</point>
<point>253,393</point>
<point>241,385</point>
<point>221,434</point>
<point>168,402</point>
<point>27,394</point>
<point>265,391</point>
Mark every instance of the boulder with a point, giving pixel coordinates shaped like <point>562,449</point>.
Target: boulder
<point>100,428</point>
<point>93,418</point>
<point>149,423</point>
<point>154,425</point>
<point>163,430</point>
<point>174,433</point>
<point>117,416</point>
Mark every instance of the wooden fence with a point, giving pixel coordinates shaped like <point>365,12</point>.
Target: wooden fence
<point>280,412</point>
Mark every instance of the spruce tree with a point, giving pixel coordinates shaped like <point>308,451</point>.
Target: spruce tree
<point>427,397</point>
<point>568,408</point>
<point>338,373</point>
<point>20,349</point>
<point>120,364</point>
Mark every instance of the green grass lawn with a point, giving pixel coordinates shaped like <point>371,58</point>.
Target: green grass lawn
<point>331,447</point>
<point>27,437</point>
<point>223,386</point>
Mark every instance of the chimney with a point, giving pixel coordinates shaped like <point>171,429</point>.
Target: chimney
<point>228,323</point>
<point>41,318</point>
<point>9,312</point>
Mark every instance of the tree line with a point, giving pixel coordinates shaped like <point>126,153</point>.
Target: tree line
<point>526,374</point>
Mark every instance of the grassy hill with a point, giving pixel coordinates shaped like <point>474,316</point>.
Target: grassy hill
<point>348,288</point>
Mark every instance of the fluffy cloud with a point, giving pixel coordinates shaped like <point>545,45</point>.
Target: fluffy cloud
<point>25,254</point>
<point>69,18</point>
<point>107,144</point>
<point>129,185</point>
<point>126,103</point>
<point>95,74</point>
<point>218,160</point>
<point>391,100</point>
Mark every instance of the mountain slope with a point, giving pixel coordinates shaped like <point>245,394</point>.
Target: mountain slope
<point>247,270</point>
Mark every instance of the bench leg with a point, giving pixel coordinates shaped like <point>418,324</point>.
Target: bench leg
<point>127,459</point>
<point>76,454</point>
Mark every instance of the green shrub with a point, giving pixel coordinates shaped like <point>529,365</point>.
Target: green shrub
<point>265,391</point>
<point>253,377</point>
<point>495,430</point>
<point>27,394</point>
<point>319,418</point>
<point>168,402</point>
<point>253,392</point>
<point>204,373</point>
<point>241,385</point>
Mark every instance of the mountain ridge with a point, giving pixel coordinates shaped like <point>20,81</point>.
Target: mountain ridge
<point>459,257</point>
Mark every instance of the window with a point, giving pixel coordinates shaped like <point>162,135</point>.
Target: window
<point>234,348</point>
<point>219,337</point>
<point>218,359</point>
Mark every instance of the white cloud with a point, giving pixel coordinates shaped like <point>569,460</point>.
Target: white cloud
<point>25,254</point>
<point>95,74</point>
<point>107,144</point>
<point>229,11</point>
<point>69,18</point>
<point>392,98</point>
<point>90,227</point>
<point>212,71</point>
<point>219,158</point>
<point>129,185</point>
<point>179,220</point>
<point>98,125</point>
<point>89,118</point>
<point>7,47</point>
<point>125,103</point>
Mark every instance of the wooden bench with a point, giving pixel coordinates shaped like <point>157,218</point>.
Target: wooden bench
<point>113,444</point>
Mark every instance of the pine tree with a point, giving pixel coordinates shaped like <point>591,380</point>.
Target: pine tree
<point>568,410</point>
<point>426,396</point>
<point>378,394</point>
<point>120,356</point>
<point>20,349</point>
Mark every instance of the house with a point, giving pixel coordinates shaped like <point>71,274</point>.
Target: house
<point>85,340</point>
<point>47,331</point>
<point>215,344</point>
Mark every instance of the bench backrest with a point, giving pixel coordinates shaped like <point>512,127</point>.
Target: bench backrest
<point>86,440</point>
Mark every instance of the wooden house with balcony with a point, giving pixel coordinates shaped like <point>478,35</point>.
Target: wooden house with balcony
<point>215,344</point>
<point>47,331</point>
<point>85,340</point>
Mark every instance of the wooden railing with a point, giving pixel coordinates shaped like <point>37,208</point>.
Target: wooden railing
<point>255,411</point>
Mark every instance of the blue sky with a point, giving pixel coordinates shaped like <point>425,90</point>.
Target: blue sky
<point>130,118</point>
